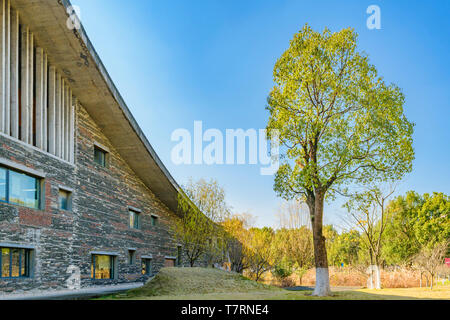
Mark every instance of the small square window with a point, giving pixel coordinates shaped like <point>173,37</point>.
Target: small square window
<point>134,219</point>
<point>154,220</point>
<point>64,200</point>
<point>100,156</point>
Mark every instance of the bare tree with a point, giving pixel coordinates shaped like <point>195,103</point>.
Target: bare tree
<point>368,211</point>
<point>430,260</point>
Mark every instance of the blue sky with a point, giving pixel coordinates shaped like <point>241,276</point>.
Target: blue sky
<point>175,62</point>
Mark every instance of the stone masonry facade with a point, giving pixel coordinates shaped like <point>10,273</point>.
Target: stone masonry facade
<point>97,222</point>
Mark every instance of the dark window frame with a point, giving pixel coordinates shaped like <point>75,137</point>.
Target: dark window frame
<point>112,267</point>
<point>39,188</point>
<point>154,220</point>
<point>69,199</point>
<point>131,257</point>
<point>148,262</point>
<point>104,160</point>
<point>136,220</point>
<point>27,259</point>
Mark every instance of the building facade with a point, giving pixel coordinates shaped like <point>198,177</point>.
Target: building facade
<point>82,193</point>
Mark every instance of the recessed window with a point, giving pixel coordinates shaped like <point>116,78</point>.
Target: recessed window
<point>64,200</point>
<point>15,263</point>
<point>147,267</point>
<point>19,188</point>
<point>134,219</point>
<point>131,256</point>
<point>102,267</point>
<point>179,255</point>
<point>154,220</point>
<point>100,156</point>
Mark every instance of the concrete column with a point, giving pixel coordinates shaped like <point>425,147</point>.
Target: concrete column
<point>14,73</point>
<point>67,123</point>
<point>7,126</point>
<point>39,104</point>
<point>25,74</point>
<point>2,64</point>
<point>58,116</point>
<point>45,122</point>
<point>72,128</point>
<point>31,90</point>
<point>63,113</point>
<point>52,100</point>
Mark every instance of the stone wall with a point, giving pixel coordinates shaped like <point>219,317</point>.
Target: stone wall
<point>98,220</point>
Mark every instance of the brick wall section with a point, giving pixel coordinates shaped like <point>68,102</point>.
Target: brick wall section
<point>98,220</point>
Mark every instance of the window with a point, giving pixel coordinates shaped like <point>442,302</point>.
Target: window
<point>100,156</point>
<point>3,183</point>
<point>15,263</point>
<point>19,188</point>
<point>147,267</point>
<point>102,267</point>
<point>134,219</point>
<point>154,220</point>
<point>179,255</point>
<point>65,200</point>
<point>131,257</point>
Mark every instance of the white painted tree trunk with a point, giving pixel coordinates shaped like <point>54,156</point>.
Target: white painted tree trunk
<point>374,280</point>
<point>322,283</point>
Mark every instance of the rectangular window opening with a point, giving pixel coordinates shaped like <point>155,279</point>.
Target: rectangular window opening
<point>102,267</point>
<point>134,219</point>
<point>100,156</point>
<point>64,200</point>
<point>15,263</point>
<point>147,267</point>
<point>20,188</point>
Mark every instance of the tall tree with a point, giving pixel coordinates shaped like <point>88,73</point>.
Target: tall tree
<point>338,122</point>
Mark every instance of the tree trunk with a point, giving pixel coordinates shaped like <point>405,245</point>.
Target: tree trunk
<point>322,287</point>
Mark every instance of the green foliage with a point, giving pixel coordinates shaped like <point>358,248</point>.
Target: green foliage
<point>281,271</point>
<point>339,121</point>
<point>203,206</point>
<point>416,222</point>
<point>345,248</point>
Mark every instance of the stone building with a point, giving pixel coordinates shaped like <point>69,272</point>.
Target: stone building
<point>81,188</point>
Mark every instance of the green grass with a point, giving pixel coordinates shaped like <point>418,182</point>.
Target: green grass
<point>213,284</point>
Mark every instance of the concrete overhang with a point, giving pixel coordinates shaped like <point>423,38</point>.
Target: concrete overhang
<point>75,57</point>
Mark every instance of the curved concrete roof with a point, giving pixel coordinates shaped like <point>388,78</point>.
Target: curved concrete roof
<point>75,57</point>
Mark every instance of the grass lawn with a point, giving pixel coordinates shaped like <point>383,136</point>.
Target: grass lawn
<point>213,284</point>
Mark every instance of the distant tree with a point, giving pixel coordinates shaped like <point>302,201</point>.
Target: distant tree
<point>338,122</point>
<point>368,211</point>
<point>204,208</point>
<point>259,251</point>
<point>415,222</point>
<point>236,239</point>
<point>430,259</point>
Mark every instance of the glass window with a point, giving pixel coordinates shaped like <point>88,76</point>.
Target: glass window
<point>64,199</point>
<point>102,267</point>
<point>23,190</point>
<point>3,182</point>
<point>179,252</point>
<point>154,220</point>
<point>100,156</point>
<point>15,263</point>
<point>146,266</point>
<point>131,255</point>
<point>134,221</point>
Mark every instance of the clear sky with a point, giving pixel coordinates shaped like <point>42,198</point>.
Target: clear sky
<point>175,62</point>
